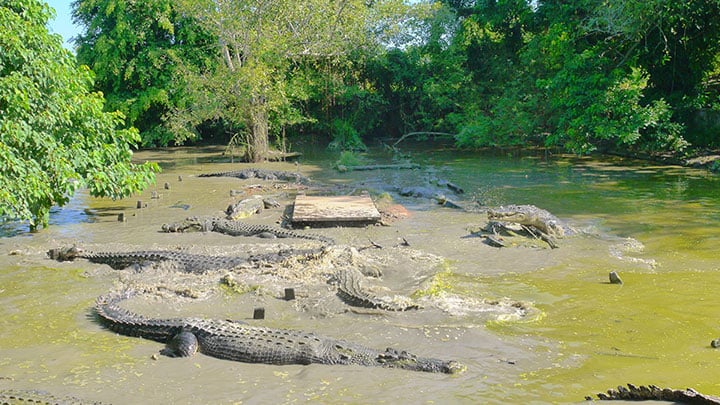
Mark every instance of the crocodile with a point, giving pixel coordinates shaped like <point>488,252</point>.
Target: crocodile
<point>530,215</point>
<point>238,341</point>
<point>352,292</point>
<point>250,206</point>
<point>16,397</point>
<point>187,262</point>
<point>237,228</point>
<point>263,174</point>
<point>655,393</point>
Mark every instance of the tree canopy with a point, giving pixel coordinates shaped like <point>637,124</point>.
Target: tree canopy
<point>135,50</point>
<point>263,46</point>
<point>577,75</point>
<point>54,135</point>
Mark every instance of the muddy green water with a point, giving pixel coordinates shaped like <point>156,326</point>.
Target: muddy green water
<point>657,226</point>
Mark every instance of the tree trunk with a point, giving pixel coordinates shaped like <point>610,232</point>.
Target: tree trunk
<point>258,145</point>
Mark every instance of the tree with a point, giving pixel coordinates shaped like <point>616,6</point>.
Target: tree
<point>423,80</point>
<point>261,42</point>
<point>575,81</point>
<point>135,49</point>
<point>680,43</point>
<point>54,135</point>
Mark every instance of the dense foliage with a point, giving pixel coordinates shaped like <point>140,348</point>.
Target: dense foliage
<point>54,135</point>
<point>579,75</point>
<point>268,51</point>
<point>136,50</point>
<point>583,75</point>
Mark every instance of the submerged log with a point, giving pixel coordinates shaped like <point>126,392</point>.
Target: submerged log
<point>344,168</point>
<point>422,133</point>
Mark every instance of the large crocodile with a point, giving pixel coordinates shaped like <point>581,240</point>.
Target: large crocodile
<point>352,291</point>
<point>263,174</point>
<point>183,261</point>
<point>238,341</point>
<point>530,215</point>
<point>237,228</point>
<point>655,393</point>
<point>188,262</point>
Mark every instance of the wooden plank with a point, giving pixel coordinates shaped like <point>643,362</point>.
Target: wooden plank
<point>319,209</point>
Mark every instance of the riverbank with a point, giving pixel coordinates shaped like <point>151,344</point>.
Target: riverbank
<point>696,158</point>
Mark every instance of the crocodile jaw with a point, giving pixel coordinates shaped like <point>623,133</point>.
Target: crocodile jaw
<point>518,217</point>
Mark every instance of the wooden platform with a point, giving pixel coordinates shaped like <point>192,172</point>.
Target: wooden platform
<point>332,211</point>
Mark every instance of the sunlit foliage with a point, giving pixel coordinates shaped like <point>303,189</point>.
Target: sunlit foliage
<point>54,135</point>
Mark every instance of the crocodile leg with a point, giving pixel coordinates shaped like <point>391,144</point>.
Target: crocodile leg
<point>184,344</point>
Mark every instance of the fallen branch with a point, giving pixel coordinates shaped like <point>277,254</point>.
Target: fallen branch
<point>344,168</point>
<point>409,134</point>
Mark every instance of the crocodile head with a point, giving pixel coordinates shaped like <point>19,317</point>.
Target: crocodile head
<point>528,215</point>
<point>401,359</point>
<point>65,254</point>
<point>514,213</point>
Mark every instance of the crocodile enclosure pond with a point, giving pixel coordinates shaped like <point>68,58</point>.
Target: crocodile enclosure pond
<point>529,323</point>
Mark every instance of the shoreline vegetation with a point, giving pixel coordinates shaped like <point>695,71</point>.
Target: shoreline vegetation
<point>699,158</point>
<point>581,77</point>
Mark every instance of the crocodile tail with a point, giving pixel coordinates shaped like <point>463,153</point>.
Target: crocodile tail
<point>107,308</point>
<point>351,291</point>
<point>325,239</point>
<point>128,323</point>
<point>40,397</point>
<point>655,393</point>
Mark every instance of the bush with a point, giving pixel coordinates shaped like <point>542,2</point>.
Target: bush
<point>345,137</point>
<point>54,135</point>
